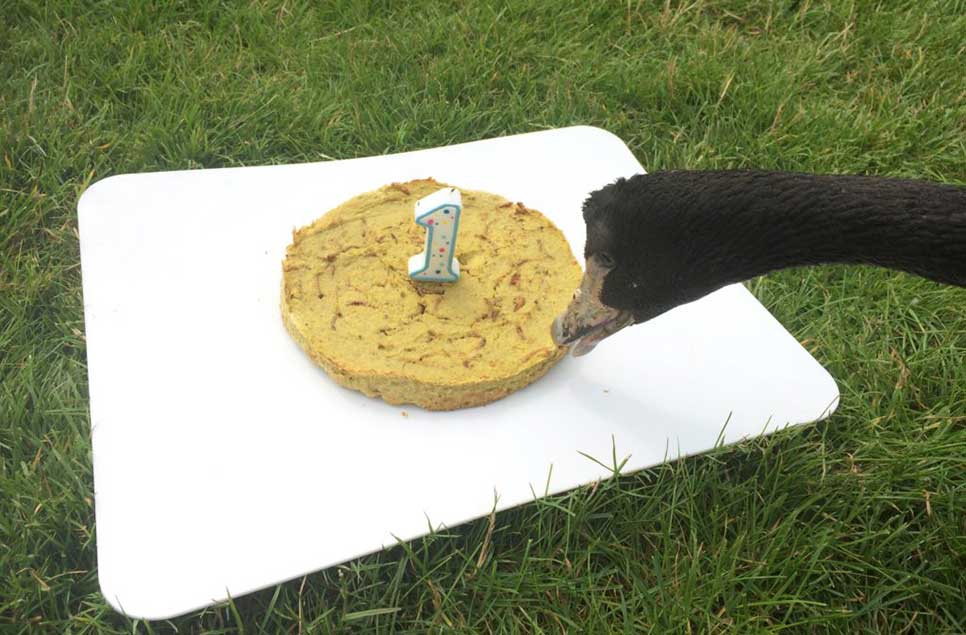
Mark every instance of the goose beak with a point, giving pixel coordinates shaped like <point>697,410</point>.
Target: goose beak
<point>587,321</point>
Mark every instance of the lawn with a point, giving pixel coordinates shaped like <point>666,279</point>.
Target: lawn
<point>853,525</point>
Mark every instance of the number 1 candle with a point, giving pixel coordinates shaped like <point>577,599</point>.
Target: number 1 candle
<point>439,213</point>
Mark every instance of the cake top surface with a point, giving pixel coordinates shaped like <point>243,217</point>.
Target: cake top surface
<point>349,294</point>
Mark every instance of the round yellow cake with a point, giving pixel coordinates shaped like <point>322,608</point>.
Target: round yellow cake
<point>349,302</point>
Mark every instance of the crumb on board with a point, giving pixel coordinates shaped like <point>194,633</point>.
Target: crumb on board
<point>404,413</point>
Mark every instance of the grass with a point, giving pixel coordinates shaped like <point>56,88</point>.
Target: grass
<point>854,525</point>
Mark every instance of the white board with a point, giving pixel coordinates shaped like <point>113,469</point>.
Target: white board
<point>225,461</point>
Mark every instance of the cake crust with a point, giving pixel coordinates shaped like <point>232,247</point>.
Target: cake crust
<point>348,301</point>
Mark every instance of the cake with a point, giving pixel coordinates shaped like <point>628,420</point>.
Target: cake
<point>348,301</point>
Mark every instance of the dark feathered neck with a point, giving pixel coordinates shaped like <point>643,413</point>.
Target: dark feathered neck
<point>737,225</point>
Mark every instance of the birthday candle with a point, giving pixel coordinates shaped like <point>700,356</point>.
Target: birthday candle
<point>439,213</point>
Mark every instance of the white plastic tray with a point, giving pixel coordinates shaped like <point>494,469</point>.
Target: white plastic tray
<point>225,461</point>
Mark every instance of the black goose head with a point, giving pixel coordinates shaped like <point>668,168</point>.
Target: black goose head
<point>638,264</point>
<point>661,240</point>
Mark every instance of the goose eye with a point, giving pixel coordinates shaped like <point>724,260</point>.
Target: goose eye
<point>605,259</point>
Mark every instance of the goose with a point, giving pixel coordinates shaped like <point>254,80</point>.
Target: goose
<point>657,241</point>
